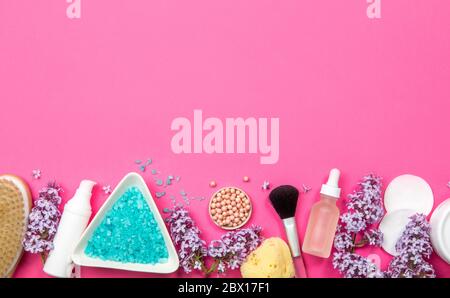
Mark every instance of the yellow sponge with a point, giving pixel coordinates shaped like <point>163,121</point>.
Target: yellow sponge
<point>15,205</point>
<point>272,259</point>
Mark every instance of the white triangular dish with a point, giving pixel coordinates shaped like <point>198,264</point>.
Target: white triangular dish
<point>80,258</point>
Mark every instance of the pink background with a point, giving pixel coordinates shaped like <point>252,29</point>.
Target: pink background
<point>85,98</point>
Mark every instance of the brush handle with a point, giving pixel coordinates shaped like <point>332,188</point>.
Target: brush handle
<point>291,231</point>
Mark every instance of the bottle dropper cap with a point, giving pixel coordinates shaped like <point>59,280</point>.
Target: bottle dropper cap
<point>331,188</point>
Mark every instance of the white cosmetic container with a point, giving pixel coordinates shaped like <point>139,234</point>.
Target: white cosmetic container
<point>440,230</point>
<point>74,220</point>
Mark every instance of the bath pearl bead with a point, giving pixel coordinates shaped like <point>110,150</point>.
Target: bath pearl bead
<point>218,211</point>
<point>231,217</point>
<point>213,205</point>
<point>236,220</point>
<point>212,183</point>
<point>213,212</point>
<point>246,179</point>
<point>233,203</point>
<point>241,195</point>
<point>224,208</point>
<point>247,207</point>
<point>234,209</point>
<point>230,212</point>
<point>220,216</point>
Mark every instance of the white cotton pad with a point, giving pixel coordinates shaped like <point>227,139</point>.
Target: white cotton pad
<point>392,226</point>
<point>440,230</point>
<point>409,192</point>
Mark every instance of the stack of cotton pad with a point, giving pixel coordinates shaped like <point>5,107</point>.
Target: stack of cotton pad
<point>405,195</point>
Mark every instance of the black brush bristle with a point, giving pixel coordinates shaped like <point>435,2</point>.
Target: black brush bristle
<point>284,200</point>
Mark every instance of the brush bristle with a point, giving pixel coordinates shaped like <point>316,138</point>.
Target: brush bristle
<point>284,200</point>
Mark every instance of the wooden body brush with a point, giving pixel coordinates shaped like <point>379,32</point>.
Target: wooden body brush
<point>15,205</point>
<point>284,200</point>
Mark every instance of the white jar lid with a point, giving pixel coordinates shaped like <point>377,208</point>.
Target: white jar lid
<point>409,192</point>
<point>440,230</point>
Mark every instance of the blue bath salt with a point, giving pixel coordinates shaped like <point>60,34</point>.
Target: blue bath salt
<point>129,233</point>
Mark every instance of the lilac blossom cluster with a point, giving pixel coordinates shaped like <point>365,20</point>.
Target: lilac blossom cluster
<point>366,204</point>
<point>354,231</point>
<point>352,265</point>
<point>43,221</point>
<point>413,248</point>
<point>228,253</point>
<point>186,236</point>
<point>365,208</point>
<point>233,247</point>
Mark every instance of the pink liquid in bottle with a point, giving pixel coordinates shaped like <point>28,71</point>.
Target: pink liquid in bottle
<point>323,219</point>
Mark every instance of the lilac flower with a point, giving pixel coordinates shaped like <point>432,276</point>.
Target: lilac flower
<point>107,189</point>
<point>352,265</point>
<point>43,221</point>
<point>415,240</point>
<point>343,242</point>
<point>353,222</point>
<point>228,252</point>
<point>365,208</point>
<point>36,174</point>
<point>233,247</point>
<point>186,236</point>
<point>373,237</point>
<point>367,200</point>
<point>414,247</point>
<point>221,267</point>
<point>217,249</point>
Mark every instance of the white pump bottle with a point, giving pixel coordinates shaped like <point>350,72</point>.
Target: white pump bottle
<point>74,220</point>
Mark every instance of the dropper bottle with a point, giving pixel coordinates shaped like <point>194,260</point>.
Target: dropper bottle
<point>74,220</point>
<point>323,219</point>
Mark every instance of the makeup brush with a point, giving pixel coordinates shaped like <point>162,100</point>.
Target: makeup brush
<point>284,200</point>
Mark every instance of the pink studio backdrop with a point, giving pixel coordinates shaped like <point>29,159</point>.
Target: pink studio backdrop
<point>85,98</point>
